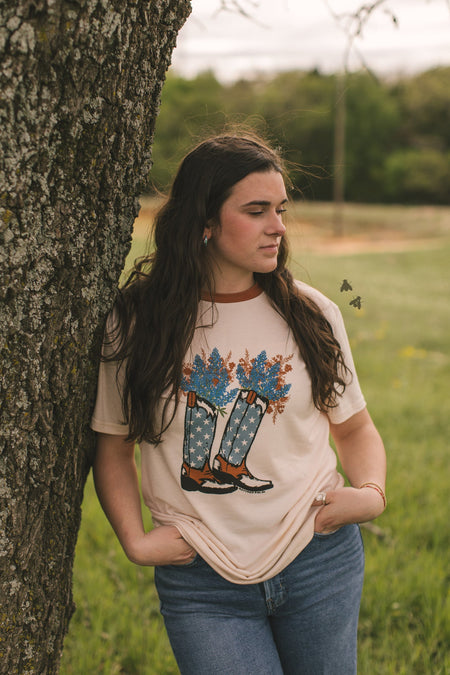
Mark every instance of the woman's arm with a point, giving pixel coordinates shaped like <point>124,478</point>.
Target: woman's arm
<point>117,486</point>
<point>361,452</point>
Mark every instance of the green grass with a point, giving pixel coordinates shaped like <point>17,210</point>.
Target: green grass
<point>400,340</point>
<point>117,627</point>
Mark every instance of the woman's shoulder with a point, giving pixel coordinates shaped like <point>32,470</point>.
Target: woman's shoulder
<point>322,301</point>
<point>119,324</point>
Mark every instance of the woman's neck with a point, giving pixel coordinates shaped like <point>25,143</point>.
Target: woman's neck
<point>227,284</point>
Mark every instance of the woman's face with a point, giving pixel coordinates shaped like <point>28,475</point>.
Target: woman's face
<point>249,231</point>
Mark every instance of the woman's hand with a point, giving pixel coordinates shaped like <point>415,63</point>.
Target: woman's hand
<point>347,505</point>
<point>363,460</point>
<point>161,546</point>
<point>117,485</point>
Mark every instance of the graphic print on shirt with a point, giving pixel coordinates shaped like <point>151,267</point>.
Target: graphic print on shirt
<point>206,383</point>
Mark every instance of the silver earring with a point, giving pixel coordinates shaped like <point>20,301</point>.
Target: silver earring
<point>205,240</point>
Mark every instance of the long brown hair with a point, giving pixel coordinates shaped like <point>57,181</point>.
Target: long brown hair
<point>156,310</point>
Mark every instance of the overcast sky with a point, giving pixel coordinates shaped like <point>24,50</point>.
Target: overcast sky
<point>288,34</point>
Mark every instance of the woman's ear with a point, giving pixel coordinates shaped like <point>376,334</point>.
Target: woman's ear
<point>209,229</point>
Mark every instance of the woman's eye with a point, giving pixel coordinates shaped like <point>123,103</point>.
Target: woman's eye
<point>262,211</point>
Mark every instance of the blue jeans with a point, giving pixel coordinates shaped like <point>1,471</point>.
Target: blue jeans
<point>303,621</point>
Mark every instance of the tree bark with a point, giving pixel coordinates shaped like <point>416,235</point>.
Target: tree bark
<point>81,83</point>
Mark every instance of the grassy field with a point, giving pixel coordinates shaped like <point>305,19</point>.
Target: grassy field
<point>400,339</point>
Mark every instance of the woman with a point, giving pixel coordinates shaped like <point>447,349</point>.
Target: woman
<point>231,376</point>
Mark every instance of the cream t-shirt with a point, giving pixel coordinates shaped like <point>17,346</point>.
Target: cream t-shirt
<point>247,452</point>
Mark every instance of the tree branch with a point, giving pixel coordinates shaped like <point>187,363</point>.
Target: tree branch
<point>238,7</point>
<point>353,24</point>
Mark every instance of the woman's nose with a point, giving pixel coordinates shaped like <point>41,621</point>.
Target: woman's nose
<point>276,225</point>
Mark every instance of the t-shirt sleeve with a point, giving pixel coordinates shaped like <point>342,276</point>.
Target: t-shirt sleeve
<point>108,416</point>
<point>352,400</point>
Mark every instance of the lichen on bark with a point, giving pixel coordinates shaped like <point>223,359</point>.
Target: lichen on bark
<point>81,83</point>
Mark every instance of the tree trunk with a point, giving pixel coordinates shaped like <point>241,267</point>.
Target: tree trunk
<point>81,82</point>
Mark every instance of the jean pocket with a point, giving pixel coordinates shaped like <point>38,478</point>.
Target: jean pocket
<point>191,563</point>
<point>324,535</point>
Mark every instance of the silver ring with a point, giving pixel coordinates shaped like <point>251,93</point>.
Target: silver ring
<point>321,497</point>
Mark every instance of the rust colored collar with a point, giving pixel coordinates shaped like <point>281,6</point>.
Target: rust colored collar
<point>249,294</point>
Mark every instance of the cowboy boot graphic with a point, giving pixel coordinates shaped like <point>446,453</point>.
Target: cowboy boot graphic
<point>199,431</point>
<point>206,383</point>
<point>230,463</point>
<point>262,384</point>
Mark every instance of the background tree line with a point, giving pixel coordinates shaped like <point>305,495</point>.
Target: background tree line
<point>397,132</point>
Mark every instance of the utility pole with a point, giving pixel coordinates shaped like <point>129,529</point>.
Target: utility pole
<point>339,155</point>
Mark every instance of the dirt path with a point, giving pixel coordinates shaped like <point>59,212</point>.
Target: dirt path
<point>310,238</point>
<point>374,243</point>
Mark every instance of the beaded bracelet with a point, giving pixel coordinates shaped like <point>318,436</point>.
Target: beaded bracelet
<point>376,487</point>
